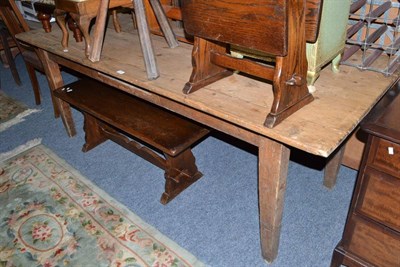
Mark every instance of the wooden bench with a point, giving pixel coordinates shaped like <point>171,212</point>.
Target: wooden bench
<point>112,114</point>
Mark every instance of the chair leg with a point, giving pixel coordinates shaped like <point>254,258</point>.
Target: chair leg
<point>9,57</point>
<point>34,82</point>
<point>117,25</point>
<point>145,41</point>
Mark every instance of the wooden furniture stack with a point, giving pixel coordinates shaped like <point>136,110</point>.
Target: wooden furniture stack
<point>236,106</point>
<point>372,233</point>
<point>83,11</point>
<point>326,48</point>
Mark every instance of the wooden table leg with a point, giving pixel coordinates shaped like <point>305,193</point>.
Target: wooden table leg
<point>332,167</point>
<point>55,80</point>
<point>273,162</point>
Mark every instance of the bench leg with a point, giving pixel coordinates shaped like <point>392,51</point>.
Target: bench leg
<point>180,173</point>
<point>204,72</point>
<point>94,135</point>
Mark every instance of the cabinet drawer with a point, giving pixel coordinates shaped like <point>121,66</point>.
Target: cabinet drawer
<point>387,156</point>
<point>374,244</point>
<point>380,198</point>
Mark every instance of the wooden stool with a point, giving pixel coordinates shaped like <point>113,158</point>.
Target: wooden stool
<point>112,114</point>
<point>277,29</point>
<point>83,11</point>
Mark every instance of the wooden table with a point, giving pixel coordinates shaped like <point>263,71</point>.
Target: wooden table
<point>236,105</point>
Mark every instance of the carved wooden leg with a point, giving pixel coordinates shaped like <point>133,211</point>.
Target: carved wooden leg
<point>204,72</point>
<point>290,82</point>
<point>312,76</point>
<point>55,80</point>
<point>94,135</point>
<point>180,173</point>
<point>336,63</point>
<point>60,19</point>
<point>332,167</point>
<point>45,20</point>
<point>83,24</point>
<point>73,26</point>
<point>273,161</point>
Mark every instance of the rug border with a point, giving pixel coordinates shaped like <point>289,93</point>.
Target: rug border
<point>151,230</point>
<point>19,149</point>
<point>20,117</point>
<point>17,118</point>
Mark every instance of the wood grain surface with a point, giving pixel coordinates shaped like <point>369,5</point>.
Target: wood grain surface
<point>342,100</point>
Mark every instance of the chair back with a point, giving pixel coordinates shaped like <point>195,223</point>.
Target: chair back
<point>10,40</point>
<point>13,19</point>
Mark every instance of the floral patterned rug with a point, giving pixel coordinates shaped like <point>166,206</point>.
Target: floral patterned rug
<point>53,216</point>
<point>12,112</point>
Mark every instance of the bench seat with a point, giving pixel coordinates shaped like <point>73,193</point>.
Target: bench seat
<point>145,129</point>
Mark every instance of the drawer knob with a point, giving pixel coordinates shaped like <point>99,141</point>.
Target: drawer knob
<point>391,150</point>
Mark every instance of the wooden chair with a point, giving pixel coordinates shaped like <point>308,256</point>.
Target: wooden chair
<point>7,47</point>
<point>15,24</point>
<point>45,10</point>
<point>83,11</point>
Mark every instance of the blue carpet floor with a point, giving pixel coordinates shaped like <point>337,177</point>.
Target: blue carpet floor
<point>216,219</point>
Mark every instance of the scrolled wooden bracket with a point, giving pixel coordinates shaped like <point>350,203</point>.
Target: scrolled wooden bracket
<point>296,80</point>
<point>204,71</point>
<point>289,84</point>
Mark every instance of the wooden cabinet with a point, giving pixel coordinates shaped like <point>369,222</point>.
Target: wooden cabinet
<point>372,233</point>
